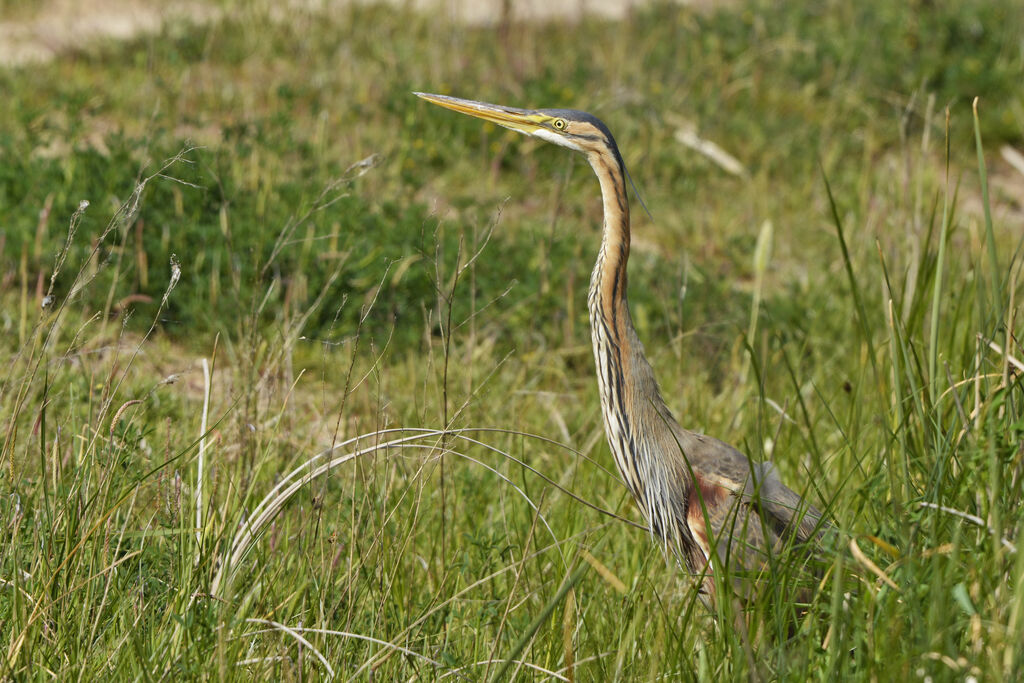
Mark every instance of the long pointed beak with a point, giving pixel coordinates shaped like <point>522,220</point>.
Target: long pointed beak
<point>522,120</point>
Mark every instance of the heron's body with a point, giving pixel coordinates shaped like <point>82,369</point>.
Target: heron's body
<point>700,496</point>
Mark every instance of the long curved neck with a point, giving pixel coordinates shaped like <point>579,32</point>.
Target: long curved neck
<point>642,433</point>
<point>639,426</point>
<point>634,412</point>
<point>607,299</point>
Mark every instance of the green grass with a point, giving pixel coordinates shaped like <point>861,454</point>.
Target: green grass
<point>325,224</point>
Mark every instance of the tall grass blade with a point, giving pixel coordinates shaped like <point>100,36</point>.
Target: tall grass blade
<point>995,280</point>
<point>940,262</point>
<point>855,289</point>
<point>542,617</point>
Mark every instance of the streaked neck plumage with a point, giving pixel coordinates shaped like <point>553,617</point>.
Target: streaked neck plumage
<point>637,422</point>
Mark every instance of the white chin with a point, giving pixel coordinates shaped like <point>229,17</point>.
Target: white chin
<point>545,134</point>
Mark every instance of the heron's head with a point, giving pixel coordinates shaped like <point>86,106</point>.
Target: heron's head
<point>576,130</point>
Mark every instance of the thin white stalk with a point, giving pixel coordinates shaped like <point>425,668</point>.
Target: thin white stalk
<point>294,633</point>
<point>252,527</point>
<point>346,634</point>
<point>974,519</point>
<point>486,662</point>
<point>201,465</point>
<point>1003,352</point>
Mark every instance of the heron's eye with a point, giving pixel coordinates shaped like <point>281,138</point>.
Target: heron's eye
<point>559,124</point>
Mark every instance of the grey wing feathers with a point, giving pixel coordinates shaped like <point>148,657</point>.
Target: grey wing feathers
<point>721,464</point>
<point>783,503</point>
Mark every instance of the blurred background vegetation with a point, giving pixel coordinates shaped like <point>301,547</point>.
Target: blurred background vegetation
<point>272,115</point>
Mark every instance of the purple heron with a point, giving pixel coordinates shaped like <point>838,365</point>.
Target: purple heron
<point>704,500</point>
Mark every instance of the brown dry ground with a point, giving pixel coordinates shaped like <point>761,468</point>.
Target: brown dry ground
<point>42,30</point>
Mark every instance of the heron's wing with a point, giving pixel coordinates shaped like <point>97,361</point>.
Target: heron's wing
<point>717,465</point>
<point>738,513</point>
